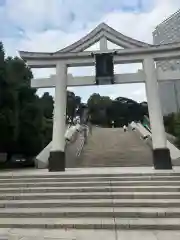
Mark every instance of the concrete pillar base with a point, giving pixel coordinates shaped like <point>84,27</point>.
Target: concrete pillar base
<point>56,161</point>
<point>162,158</point>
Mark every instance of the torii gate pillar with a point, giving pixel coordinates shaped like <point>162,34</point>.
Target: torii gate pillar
<point>161,154</point>
<point>57,154</point>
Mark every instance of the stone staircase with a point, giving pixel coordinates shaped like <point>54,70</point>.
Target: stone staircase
<point>111,147</point>
<point>66,203</point>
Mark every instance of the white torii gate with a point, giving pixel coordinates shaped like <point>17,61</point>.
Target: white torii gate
<point>134,52</point>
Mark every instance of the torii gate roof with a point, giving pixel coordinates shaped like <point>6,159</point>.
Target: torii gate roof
<point>131,47</point>
<point>102,30</point>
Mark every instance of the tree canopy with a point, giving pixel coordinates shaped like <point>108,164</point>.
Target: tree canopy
<point>23,115</point>
<point>104,110</point>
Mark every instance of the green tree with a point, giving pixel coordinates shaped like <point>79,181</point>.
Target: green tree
<point>21,113</point>
<point>6,114</point>
<point>73,104</point>
<point>121,110</point>
<point>98,106</point>
<point>18,77</point>
<point>46,103</point>
<point>31,131</point>
<point>169,123</point>
<point>2,75</point>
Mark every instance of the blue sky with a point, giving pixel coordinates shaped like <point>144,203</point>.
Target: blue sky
<point>49,25</point>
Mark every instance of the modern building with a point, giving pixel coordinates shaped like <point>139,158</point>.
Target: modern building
<point>169,32</point>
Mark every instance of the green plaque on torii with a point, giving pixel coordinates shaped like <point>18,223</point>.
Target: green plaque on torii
<point>104,68</point>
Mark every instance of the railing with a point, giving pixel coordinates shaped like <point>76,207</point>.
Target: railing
<point>174,151</point>
<point>146,123</point>
<point>142,132</point>
<point>74,149</point>
<point>83,140</point>
<point>71,135</point>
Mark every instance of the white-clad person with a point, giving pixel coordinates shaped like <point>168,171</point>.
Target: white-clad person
<point>133,126</point>
<point>125,128</point>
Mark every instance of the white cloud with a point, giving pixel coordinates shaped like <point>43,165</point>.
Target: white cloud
<point>140,26</point>
<point>134,91</point>
<point>140,93</point>
<point>136,25</point>
<point>66,14</point>
<point>50,40</point>
<point>33,14</point>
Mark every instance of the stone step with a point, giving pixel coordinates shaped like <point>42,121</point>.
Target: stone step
<point>92,183</point>
<point>115,163</point>
<point>90,203</point>
<point>54,184</point>
<point>90,179</point>
<point>67,175</point>
<point>56,234</point>
<point>95,202</point>
<point>58,223</point>
<point>94,212</point>
<point>100,189</point>
<point>91,195</point>
<point>92,223</point>
<point>106,147</point>
<point>148,224</point>
<point>75,234</point>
